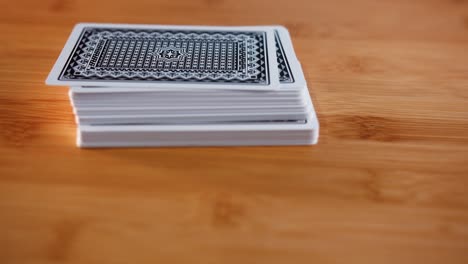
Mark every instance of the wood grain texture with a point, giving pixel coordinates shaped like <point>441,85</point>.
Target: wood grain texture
<point>387,183</point>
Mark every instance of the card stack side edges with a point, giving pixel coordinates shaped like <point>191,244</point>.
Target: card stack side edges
<point>154,85</point>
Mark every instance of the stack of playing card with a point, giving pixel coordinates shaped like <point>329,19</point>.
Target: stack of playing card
<point>151,85</point>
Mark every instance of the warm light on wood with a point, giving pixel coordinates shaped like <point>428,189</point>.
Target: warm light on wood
<point>387,183</point>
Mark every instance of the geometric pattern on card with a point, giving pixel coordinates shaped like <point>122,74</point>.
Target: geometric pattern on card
<point>285,73</point>
<point>169,55</point>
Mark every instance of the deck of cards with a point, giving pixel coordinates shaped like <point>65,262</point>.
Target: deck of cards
<point>154,85</point>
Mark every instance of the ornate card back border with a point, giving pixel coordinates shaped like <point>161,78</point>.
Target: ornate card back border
<point>118,54</point>
<point>285,73</point>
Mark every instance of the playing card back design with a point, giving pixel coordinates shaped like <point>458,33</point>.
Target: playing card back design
<point>110,54</point>
<point>285,73</point>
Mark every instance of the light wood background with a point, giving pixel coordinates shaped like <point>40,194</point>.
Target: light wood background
<point>387,183</point>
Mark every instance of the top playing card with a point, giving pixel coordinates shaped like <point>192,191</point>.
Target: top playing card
<point>168,56</point>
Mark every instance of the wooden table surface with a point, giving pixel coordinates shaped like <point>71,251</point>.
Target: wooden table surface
<point>387,183</point>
